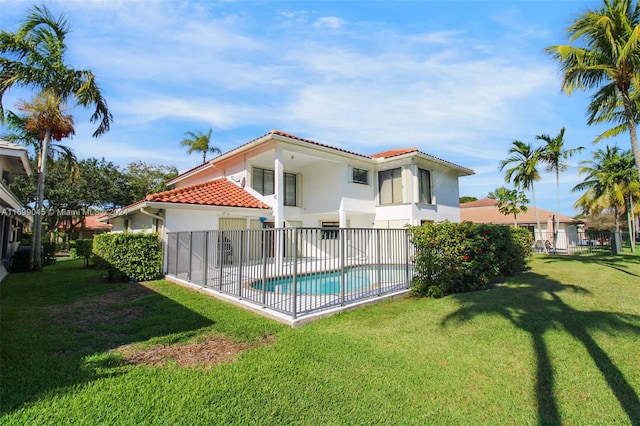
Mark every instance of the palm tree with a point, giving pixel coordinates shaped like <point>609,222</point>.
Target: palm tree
<point>524,171</point>
<point>33,57</point>
<point>30,138</point>
<point>608,60</point>
<point>554,156</point>
<point>611,182</point>
<point>49,121</point>
<point>200,142</point>
<point>628,176</point>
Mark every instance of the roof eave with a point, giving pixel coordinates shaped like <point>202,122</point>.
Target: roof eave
<point>462,171</point>
<point>320,147</point>
<point>189,173</point>
<point>163,205</point>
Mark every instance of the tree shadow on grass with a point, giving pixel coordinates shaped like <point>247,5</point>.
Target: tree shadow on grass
<point>626,263</point>
<point>534,305</point>
<point>55,347</point>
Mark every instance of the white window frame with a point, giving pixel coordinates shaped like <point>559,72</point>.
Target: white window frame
<point>396,187</point>
<point>421,198</point>
<point>360,182</point>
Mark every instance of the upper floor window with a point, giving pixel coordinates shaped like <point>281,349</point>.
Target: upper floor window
<point>263,181</point>
<point>360,176</point>
<point>424,177</point>
<point>390,186</point>
<point>290,190</point>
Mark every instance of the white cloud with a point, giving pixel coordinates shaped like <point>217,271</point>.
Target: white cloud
<point>434,37</point>
<point>222,115</point>
<point>330,22</point>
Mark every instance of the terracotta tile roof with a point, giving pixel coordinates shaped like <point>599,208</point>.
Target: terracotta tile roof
<point>393,152</point>
<point>485,211</point>
<point>483,202</point>
<point>92,223</point>
<point>217,192</point>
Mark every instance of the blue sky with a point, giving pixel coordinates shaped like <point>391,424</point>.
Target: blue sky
<point>457,79</point>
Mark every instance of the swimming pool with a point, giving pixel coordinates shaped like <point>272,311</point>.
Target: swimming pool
<point>357,278</point>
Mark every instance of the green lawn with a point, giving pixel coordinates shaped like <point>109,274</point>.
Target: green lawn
<point>558,344</point>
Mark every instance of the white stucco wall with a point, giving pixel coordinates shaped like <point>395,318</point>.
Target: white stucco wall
<point>394,212</point>
<point>137,222</point>
<point>205,175</point>
<point>185,219</point>
<point>322,185</point>
<point>446,188</point>
<point>141,222</point>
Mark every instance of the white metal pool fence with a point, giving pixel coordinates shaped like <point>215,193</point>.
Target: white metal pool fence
<point>294,271</point>
<point>303,271</point>
<point>574,241</point>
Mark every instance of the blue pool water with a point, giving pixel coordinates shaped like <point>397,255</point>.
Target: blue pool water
<point>357,278</point>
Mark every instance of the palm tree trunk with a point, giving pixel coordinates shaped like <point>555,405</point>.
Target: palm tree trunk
<point>632,237</point>
<point>556,226</point>
<point>204,157</point>
<point>535,209</point>
<point>631,123</point>
<point>36,240</point>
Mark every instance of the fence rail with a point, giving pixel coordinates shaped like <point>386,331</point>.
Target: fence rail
<point>295,271</point>
<point>573,241</point>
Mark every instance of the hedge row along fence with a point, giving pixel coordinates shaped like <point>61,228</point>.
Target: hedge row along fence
<point>133,256</point>
<point>459,257</point>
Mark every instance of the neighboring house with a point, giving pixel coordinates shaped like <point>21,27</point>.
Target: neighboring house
<point>280,180</point>
<point>14,161</point>
<point>570,230</point>
<point>89,227</point>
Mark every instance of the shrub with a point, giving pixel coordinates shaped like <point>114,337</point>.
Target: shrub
<point>459,257</point>
<point>81,248</point>
<point>136,256</point>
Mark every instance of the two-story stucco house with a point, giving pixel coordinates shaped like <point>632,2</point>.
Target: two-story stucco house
<point>280,180</point>
<point>14,161</point>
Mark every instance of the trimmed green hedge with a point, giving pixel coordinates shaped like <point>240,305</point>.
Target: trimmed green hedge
<point>459,257</point>
<point>134,256</point>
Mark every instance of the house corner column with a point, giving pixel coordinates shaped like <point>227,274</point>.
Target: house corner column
<point>342,215</point>
<point>278,211</point>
